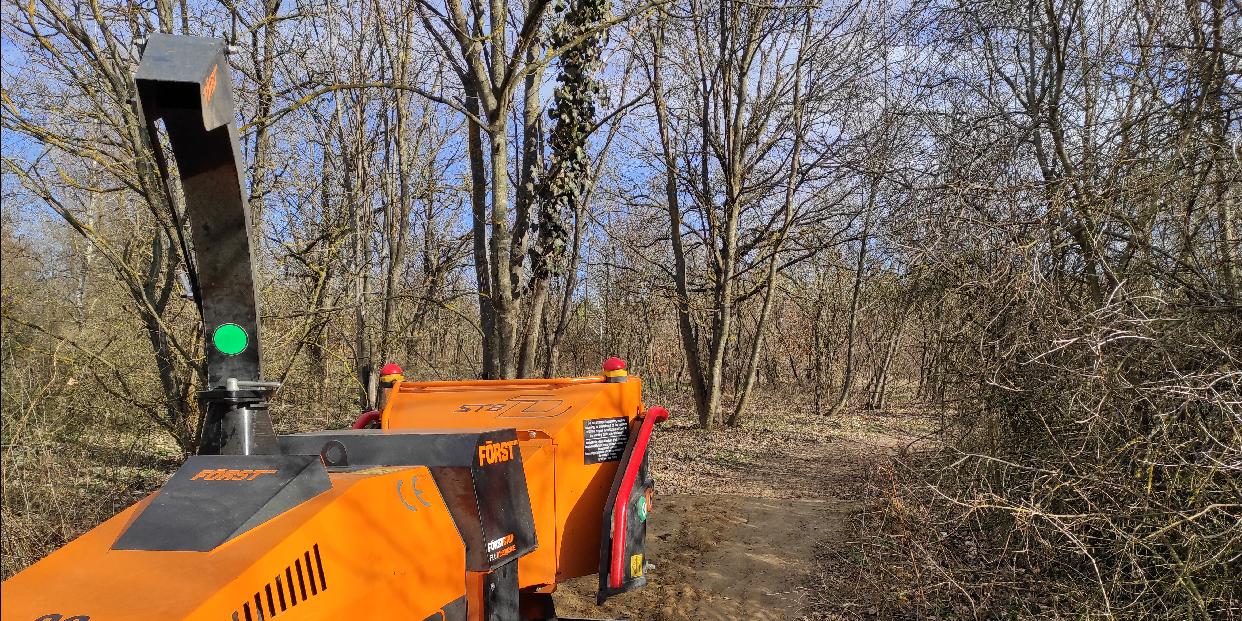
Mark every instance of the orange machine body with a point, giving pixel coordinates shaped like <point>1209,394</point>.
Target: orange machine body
<point>567,431</point>
<point>353,552</point>
<point>380,541</point>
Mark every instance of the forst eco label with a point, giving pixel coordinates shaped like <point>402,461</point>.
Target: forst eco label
<point>603,439</point>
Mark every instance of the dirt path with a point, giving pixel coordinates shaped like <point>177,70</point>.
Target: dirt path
<point>740,514</point>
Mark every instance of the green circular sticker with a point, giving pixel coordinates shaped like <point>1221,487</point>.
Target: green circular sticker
<point>231,339</point>
<point>642,508</point>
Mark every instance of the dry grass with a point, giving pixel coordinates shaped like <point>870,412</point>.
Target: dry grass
<point>55,490</point>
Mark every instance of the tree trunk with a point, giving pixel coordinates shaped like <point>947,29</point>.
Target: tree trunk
<point>571,284</point>
<point>877,397</point>
<point>504,302</point>
<point>769,278</point>
<point>685,327</point>
<point>482,266</point>
<point>537,301</point>
<point>532,166</point>
<point>263,58</point>
<point>748,380</point>
<point>860,270</point>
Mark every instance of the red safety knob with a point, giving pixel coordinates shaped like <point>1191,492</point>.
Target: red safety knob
<point>390,369</point>
<point>614,364</point>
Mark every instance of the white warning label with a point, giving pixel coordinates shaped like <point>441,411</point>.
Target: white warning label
<point>603,439</point>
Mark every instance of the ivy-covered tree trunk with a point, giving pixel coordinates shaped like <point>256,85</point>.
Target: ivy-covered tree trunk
<point>564,182</point>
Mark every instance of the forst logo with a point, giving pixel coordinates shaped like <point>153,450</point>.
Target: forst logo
<point>496,452</point>
<point>500,548</point>
<point>209,86</point>
<point>497,544</point>
<point>228,474</point>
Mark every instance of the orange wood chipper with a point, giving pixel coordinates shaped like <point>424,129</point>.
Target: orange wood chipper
<point>471,500</point>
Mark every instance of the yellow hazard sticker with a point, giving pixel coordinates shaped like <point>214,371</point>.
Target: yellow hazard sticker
<point>636,566</point>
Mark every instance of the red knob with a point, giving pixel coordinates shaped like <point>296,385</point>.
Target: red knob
<point>390,369</point>
<point>614,364</point>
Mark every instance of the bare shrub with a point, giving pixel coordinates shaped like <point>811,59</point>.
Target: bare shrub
<point>1093,471</point>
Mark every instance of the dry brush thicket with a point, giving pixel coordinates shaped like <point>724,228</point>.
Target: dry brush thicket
<point>1019,217</point>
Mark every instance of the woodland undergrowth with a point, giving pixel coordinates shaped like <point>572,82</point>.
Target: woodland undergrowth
<point>1093,471</point>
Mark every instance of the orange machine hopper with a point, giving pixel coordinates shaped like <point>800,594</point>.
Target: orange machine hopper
<point>571,433</point>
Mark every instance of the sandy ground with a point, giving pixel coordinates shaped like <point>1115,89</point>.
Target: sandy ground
<point>740,514</point>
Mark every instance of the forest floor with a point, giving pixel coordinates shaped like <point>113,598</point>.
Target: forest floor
<point>743,515</point>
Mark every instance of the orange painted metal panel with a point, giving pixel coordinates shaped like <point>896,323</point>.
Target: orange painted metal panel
<point>567,494</point>
<point>377,556</point>
<point>354,551</point>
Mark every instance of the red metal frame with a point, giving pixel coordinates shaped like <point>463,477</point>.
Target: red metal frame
<point>655,414</point>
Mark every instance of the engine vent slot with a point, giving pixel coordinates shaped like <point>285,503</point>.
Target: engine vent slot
<point>298,582</point>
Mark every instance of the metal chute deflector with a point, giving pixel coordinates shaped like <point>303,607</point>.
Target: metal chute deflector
<point>184,81</point>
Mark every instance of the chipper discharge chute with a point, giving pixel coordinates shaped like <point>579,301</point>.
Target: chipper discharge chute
<point>473,500</point>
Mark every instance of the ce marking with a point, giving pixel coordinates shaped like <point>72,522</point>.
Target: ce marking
<point>418,493</point>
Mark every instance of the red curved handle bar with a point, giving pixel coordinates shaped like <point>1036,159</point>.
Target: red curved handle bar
<point>368,417</point>
<point>655,414</point>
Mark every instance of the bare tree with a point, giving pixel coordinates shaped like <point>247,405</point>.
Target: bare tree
<point>90,63</point>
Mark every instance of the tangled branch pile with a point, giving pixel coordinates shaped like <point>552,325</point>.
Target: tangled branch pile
<point>1096,468</point>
